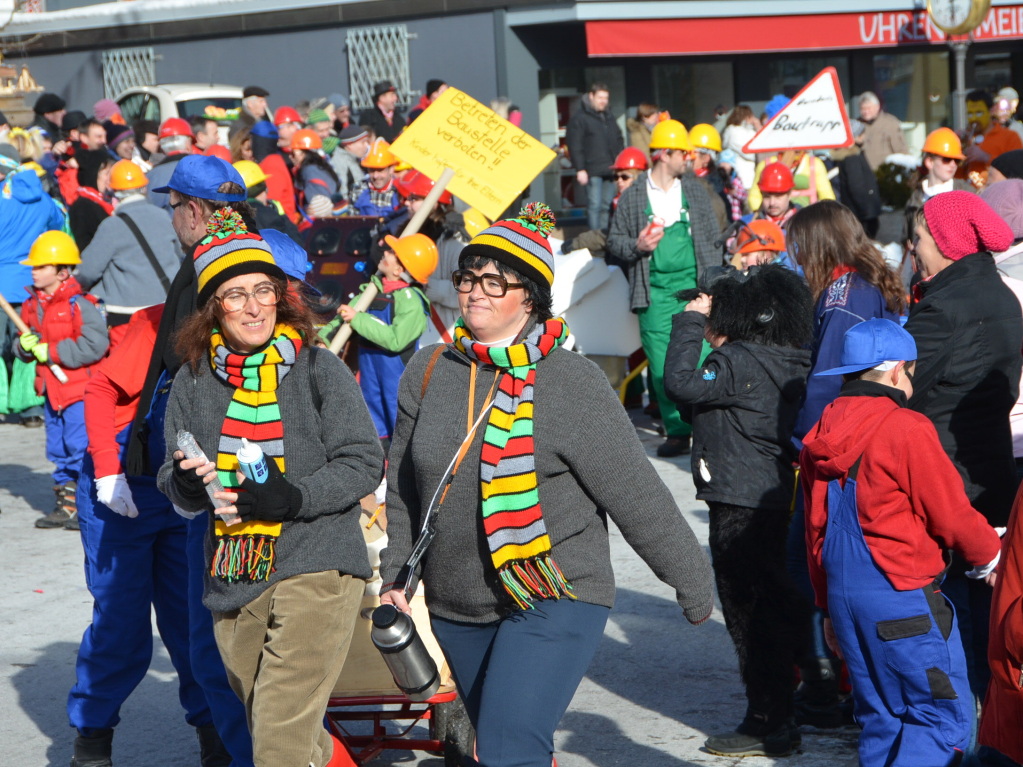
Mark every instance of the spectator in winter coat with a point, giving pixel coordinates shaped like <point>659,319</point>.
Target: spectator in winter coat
<point>205,132</point>
<point>384,117</point>
<point>92,206</point>
<point>968,330</point>
<point>740,127</point>
<point>280,188</point>
<point>883,133</point>
<point>640,126</point>
<point>594,140</point>
<point>134,254</point>
<point>254,108</point>
<point>49,112</point>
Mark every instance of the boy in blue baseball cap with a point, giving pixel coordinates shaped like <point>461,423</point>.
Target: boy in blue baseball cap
<point>883,502</point>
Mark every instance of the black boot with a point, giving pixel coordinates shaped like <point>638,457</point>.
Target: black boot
<point>61,513</point>
<point>816,699</point>
<point>93,751</point>
<point>212,751</point>
<point>757,736</point>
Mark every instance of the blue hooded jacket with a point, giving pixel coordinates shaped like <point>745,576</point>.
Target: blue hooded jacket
<point>26,211</point>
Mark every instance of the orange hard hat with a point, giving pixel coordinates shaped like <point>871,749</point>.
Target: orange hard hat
<point>175,126</point>
<point>945,143</point>
<point>417,254</point>
<point>630,158</point>
<point>759,235</point>
<point>286,115</point>
<point>776,178</point>
<point>419,184</point>
<point>379,156</point>
<point>127,175</point>
<point>306,139</point>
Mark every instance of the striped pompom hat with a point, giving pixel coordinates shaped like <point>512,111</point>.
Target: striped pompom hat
<point>519,243</point>
<point>228,250</point>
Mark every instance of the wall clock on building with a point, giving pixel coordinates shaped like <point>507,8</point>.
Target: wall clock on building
<point>957,17</point>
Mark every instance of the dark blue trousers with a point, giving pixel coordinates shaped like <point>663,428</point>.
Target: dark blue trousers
<point>902,648</point>
<point>132,566</point>
<point>517,675</point>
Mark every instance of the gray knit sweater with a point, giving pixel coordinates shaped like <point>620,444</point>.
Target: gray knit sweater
<point>331,452</point>
<point>590,465</point>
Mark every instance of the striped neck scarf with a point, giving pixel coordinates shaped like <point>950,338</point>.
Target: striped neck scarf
<point>512,517</point>
<point>247,551</point>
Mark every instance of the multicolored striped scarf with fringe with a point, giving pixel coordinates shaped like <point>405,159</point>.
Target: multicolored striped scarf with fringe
<point>247,551</point>
<point>512,517</point>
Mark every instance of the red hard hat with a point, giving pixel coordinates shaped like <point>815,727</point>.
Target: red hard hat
<point>630,158</point>
<point>418,184</point>
<point>776,178</point>
<point>286,115</point>
<point>175,126</point>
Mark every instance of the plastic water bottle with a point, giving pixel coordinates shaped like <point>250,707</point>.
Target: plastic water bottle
<point>252,462</point>
<point>395,636</point>
<point>188,446</point>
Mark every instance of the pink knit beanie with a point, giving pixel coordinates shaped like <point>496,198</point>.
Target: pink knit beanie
<point>962,223</point>
<point>1006,199</point>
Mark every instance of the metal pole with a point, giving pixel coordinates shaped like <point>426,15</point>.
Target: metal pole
<point>959,48</point>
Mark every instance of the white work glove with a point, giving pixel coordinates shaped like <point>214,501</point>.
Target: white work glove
<point>983,571</point>
<point>186,514</point>
<point>114,493</point>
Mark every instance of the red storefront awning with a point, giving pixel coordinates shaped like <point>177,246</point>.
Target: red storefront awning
<point>765,34</point>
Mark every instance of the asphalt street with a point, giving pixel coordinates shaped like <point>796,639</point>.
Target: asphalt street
<point>656,689</point>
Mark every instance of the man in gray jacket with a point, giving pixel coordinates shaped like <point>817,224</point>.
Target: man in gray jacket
<point>134,254</point>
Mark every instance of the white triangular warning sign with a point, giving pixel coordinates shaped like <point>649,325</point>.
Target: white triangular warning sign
<point>815,118</point>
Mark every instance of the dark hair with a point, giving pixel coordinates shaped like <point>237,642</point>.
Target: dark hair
<point>90,163</point>
<point>192,340</point>
<point>538,296</point>
<point>142,127</point>
<point>645,109</point>
<point>198,122</point>
<point>312,157</point>
<point>739,115</point>
<point>827,235</point>
<point>84,127</point>
<point>980,95</point>
<point>599,86</point>
<point>771,306</point>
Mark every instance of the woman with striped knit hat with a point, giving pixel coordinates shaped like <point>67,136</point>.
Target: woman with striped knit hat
<point>535,453</point>
<point>285,560</point>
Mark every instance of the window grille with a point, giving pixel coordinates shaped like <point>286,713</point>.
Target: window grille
<point>375,54</point>
<point>127,67</point>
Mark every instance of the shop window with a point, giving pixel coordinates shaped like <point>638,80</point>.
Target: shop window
<point>992,72</point>
<point>692,91</point>
<point>787,76</point>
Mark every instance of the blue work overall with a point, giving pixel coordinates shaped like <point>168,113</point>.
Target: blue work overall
<point>380,369</point>
<point>902,649</point>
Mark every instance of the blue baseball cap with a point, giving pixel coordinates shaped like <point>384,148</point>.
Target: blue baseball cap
<point>872,342</point>
<point>199,175</point>
<point>265,129</point>
<point>288,254</point>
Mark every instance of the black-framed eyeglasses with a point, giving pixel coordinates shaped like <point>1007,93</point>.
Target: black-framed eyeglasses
<point>235,299</point>
<point>494,285</point>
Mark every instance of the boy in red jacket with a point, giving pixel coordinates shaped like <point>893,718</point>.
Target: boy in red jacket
<point>883,501</point>
<point>67,329</point>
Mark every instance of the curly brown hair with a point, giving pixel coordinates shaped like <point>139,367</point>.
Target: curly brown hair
<point>826,235</point>
<point>192,340</point>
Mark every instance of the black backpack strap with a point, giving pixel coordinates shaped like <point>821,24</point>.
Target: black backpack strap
<point>150,255</point>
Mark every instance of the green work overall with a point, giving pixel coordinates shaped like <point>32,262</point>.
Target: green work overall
<point>672,268</point>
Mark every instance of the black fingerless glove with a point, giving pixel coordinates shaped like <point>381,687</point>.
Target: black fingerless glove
<point>189,483</point>
<point>272,501</point>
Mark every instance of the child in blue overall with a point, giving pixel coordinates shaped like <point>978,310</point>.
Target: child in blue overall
<point>883,502</point>
<point>390,328</point>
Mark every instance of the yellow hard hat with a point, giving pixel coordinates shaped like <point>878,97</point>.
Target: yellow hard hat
<point>945,143</point>
<point>53,247</point>
<point>704,136</point>
<point>250,172</point>
<point>670,134</point>
<point>127,175</point>
<point>379,156</point>
<point>417,254</point>
<point>475,222</point>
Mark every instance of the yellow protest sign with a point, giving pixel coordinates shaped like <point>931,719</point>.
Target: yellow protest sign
<point>493,160</point>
